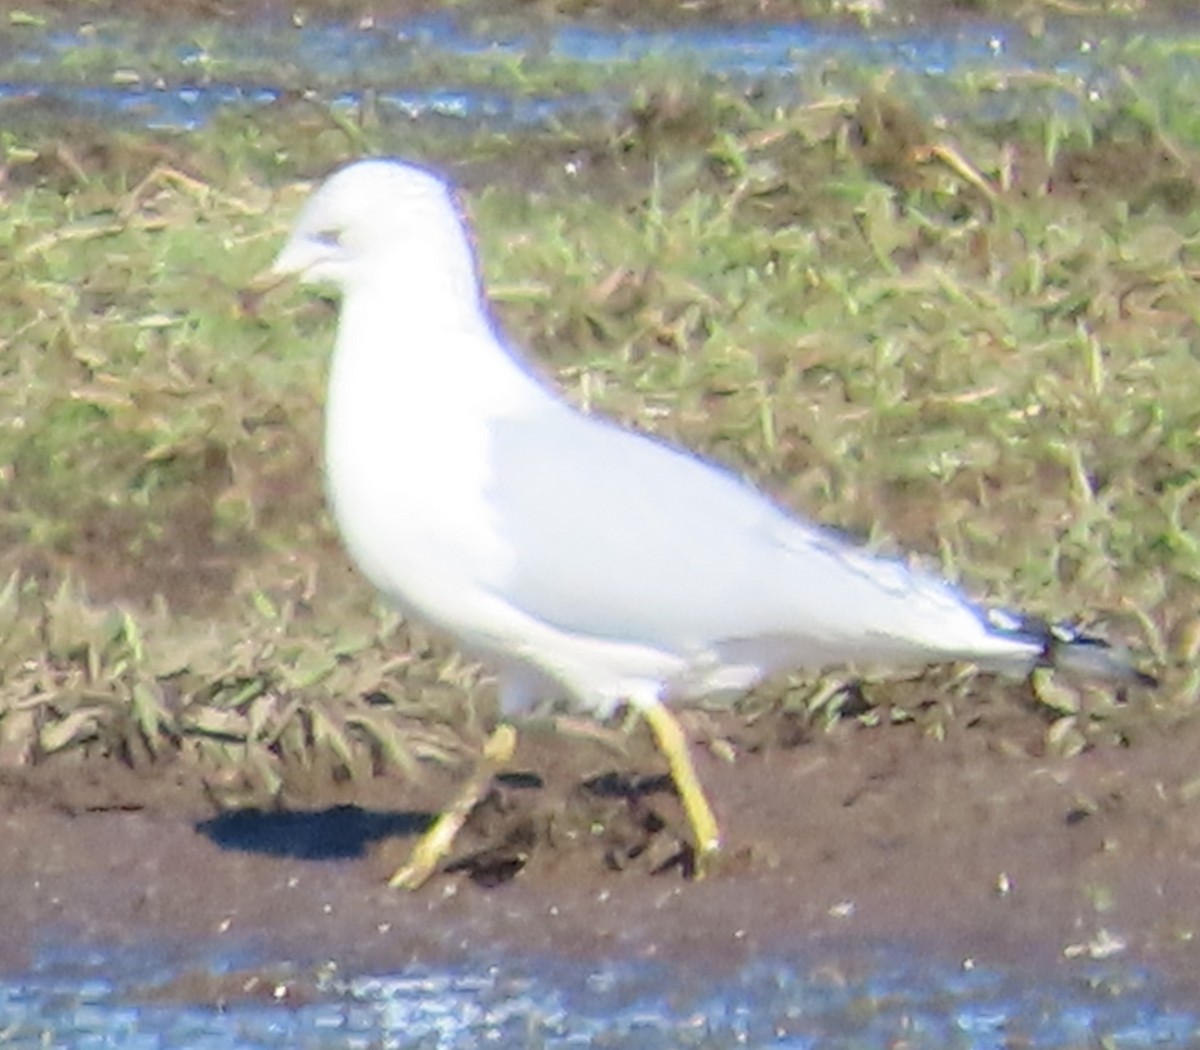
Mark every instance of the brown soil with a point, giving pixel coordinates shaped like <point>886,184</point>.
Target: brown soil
<point>967,845</point>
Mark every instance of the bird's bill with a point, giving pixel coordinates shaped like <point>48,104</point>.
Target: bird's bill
<point>295,257</point>
<point>265,282</point>
<point>292,261</point>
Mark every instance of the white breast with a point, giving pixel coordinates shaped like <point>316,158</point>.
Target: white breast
<point>406,461</point>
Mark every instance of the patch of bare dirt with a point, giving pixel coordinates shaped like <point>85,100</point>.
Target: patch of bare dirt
<point>861,834</point>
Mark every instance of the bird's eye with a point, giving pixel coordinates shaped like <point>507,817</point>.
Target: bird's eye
<point>330,236</point>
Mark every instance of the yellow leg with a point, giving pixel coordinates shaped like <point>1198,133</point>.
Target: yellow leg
<point>673,744</point>
<point>432,847</point>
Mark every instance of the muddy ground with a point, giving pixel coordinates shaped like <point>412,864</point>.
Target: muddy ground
<point>973,845</point>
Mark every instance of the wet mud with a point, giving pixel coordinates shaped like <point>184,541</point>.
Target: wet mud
<point>975,845</point>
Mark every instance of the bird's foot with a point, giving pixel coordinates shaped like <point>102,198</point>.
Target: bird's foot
<point>706,834</point>
<point>434,845</point>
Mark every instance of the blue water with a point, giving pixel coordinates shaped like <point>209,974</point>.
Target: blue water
<point>192,73</point>
<point>884,998</point>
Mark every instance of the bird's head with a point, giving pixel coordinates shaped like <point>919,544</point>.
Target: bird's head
<point>370,216</point>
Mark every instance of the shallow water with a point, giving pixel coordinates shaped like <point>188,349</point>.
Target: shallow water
<point>181,75</point>
<point>885,997</point>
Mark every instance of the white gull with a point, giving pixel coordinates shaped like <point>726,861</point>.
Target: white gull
<point>575,556</point>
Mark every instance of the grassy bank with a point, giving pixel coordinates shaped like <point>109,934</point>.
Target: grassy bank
<point>978,343</point>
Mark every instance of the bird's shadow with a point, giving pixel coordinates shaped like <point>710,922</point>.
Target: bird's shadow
<point>348,832</point>
<point>338,833</point>
<point>343,832</point>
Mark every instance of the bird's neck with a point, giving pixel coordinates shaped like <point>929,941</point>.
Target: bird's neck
<point>434,280</point>
<point>411,347</point>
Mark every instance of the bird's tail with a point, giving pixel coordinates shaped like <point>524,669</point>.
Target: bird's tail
<point>1069,648</point>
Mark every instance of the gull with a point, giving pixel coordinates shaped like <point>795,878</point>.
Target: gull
<point>580,559</point>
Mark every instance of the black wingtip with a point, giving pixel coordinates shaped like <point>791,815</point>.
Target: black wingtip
<point>1069,648</point>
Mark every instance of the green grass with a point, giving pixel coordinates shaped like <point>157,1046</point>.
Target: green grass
<point>988,360</point>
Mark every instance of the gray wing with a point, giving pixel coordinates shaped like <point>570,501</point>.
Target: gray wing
<point>618,536</point>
